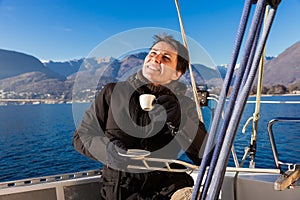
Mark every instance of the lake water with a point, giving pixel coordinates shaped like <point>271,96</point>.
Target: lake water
<point>36,140</point>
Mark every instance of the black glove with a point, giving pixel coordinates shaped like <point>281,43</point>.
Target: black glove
<point>172,107</point>
<point>114,160</point>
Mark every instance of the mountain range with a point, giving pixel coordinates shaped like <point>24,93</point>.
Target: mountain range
<point>23,74</point>
<point>285,68</point>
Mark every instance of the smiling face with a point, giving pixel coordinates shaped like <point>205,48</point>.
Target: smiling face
<point>160,64</point>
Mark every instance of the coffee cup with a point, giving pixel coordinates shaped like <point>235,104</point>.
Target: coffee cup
<point>146,101</point>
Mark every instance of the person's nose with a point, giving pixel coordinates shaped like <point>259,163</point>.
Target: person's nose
<point>157,58</point>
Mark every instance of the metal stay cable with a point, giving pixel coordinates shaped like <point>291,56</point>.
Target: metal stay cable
<point>218,176</point>
<point>223,95</point>
<point>232,103</point>
<point>199,112</point>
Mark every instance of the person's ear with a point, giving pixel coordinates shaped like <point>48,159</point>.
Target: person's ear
<point>176,75</point>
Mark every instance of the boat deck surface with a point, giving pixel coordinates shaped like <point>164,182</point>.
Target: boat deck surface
<point>86,186</point>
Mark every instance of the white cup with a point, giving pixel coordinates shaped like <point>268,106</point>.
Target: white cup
<point>146,101</point>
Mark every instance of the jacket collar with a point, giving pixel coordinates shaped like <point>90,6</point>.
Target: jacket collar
<point>142,85</point>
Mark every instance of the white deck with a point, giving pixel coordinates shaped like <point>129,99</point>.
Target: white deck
<point>86,186</point>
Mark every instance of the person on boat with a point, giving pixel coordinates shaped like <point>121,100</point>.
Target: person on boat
<point>115,123</point>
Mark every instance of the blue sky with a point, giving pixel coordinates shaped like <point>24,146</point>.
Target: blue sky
<point>69,29</point>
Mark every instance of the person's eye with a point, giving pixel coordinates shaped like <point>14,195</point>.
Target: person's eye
<point>167,58</point>
<point>152,53</point>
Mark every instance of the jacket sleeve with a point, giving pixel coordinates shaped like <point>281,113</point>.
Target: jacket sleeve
<point>89,137</point>
<point>192,133</point>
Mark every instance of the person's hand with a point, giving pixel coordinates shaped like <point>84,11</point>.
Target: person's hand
<point>114,160</point>
<point>172,108</point>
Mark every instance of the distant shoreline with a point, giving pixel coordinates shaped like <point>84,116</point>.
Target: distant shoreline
<point>5,102</point>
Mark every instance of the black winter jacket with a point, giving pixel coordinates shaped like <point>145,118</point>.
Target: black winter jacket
<point>117,105</point>
<point>116,114</point>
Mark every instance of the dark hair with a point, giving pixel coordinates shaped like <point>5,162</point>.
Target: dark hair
<point>182,52</point>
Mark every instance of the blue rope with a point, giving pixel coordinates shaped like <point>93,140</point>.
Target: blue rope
<point>237,113</point>
<point>223,94</point>
<point>233,97</point>
<point>253,48</point>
